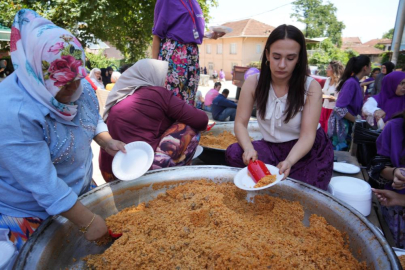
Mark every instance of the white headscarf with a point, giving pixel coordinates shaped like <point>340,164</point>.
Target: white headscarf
<point>46,58</point>
<point>93,77</point>
<point>145,72</point>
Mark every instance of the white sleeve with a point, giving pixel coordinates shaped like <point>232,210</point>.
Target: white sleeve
<point>370,106</point>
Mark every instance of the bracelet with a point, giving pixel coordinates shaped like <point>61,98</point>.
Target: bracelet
<point>393,172</point>
<point>84,229</point>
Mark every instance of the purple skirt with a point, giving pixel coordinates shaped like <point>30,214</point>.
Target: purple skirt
<point>315,168</point>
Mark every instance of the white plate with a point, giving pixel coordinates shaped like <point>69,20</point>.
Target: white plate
<point>221,29</point>
<point>345,168</point>
<point>243,181</point>
<point>6,254</point>
<point>398,251</point>
<point>134,163</point>
<point>198,151</point>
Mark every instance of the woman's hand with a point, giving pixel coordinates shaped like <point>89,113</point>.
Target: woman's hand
<point>399,179</point>
<point>113,146</point>
<point>378,114</point>
<point>250,154</point>
<point>284,167</point>
<point>97,229</point>
<point>389,197</point>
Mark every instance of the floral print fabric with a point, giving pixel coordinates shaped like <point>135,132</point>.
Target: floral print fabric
<point>177,147</point>
<point>184,68</point>
<point>46,58</point>
<point>339,129</point>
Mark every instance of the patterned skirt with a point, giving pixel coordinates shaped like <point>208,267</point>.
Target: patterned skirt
<point>21,229</point>
<point>176,148</point>
<point>315,168</point>
<point>395,218</point>
<point>184,68</point>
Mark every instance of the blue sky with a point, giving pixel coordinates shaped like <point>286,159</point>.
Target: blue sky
<point>367,19</point>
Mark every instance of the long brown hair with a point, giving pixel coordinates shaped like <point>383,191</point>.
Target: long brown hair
<point>337,70</point>
<point>296,84</point>
<point>353,67</point>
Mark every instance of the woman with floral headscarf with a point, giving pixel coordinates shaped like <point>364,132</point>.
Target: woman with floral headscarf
<point>50,116</point>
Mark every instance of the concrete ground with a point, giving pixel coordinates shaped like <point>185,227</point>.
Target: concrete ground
<point>98,178</point>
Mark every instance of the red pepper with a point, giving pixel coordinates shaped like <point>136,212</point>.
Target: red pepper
<point>257,170</point>
<point>114,235</point>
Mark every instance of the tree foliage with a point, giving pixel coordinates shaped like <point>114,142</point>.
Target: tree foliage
<point>328,52</point>
<point>389,34</point>
<point>320,19</point>
<point>127,24</point>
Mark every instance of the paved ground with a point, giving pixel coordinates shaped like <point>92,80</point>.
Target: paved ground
<point>204,89</point>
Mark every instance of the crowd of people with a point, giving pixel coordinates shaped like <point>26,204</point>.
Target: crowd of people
<point>51,115</point>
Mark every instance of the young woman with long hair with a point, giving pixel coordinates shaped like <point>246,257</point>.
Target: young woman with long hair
<point>349,102</point>
<point>334,71</point>
<point>289,105</point>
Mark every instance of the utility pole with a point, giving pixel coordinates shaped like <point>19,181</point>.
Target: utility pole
<point>399,30</point>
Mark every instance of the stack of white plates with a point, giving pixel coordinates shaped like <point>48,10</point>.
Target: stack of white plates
<point>353,191</point>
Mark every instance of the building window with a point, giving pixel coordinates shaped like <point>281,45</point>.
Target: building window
<point>258,48</point>
<point>233,48</point>
<point>208,49</point>
<point>219,49</point>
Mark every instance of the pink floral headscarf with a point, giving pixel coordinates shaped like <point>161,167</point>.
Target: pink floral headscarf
<point>46,58</point>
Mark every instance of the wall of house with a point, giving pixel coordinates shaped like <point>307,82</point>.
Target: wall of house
<point>252,50</point>
<point>225,60</point>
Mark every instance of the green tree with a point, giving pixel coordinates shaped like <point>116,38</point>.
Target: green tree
<point>328,52</point>
<point>389,34</point>
<point>127,24</point>
<point>320,19</point>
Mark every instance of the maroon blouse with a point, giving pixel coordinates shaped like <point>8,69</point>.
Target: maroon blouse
<point>145,116</point>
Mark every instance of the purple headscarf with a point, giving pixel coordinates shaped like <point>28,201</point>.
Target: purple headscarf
<point>390,142</point>
<point>387,100</point>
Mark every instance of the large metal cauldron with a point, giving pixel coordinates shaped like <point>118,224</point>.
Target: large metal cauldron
<point>57,244</point>
<point>215,156</point>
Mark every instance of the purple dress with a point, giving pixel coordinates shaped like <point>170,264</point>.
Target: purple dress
<point>390,144</point>
<point>315,168</point>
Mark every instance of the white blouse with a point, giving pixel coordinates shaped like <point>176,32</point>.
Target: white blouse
<point>329,90</point>
<point>272,126</point>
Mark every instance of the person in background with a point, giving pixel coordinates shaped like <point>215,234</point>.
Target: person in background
<point>106,75</point>
<point>334,72</point>
<point>390,101</point>
<point>95,76</point>
<point>50,117</point>
<point>139,108</point>
<point>88,64</point>
<point>390,171</point>
<point>349,102</point>
<point>222,75</point>
<point>289,104</point>
<point>222,108</point>
<point>369,82</point>
<point>211,95</point>
<point>114,78</point>
<point>178,30</point>
<point>386,69</point>
<point>215,76</point>
<point>199,100</point>
<point>125,67</point>
<point>205,71</point>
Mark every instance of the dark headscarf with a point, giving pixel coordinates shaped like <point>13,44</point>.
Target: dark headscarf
<point>378,81</point>
<point>104,77</point>
<point>387,100</point>
<point>389,66</point>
